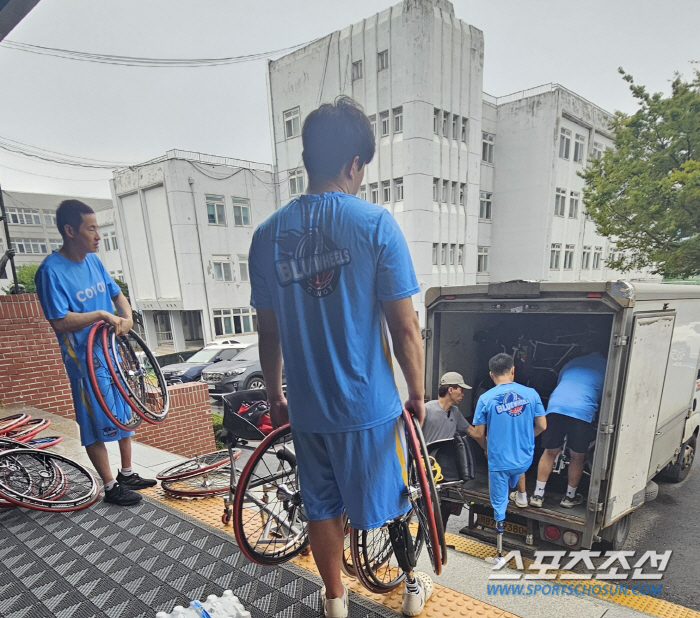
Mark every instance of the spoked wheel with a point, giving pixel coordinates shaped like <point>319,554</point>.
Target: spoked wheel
<point>268,515</point>
<point>41,443</point>
<point>103,386</point>
<point>211,483</point>
<point>45,481</point>
<point>14,421</point>
<point>28,430</point>
<point>197,465</point>
<point>7,444</point>
<point>347,566</point>
<point>141,374</point>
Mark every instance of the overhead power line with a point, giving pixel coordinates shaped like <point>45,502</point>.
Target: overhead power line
<point>139,61</point>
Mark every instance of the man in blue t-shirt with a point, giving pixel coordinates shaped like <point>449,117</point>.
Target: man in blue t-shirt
<point>571,411</point>
<point>75,291</point>
<point>327,270</point>
<point>514,416</point>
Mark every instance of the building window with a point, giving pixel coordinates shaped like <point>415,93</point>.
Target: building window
<point>55,244</point>
<point>573,205</point>
<point>386,192</point>
<point>455,127</point>
<point>454,192</point>
<point>356,70</point>
<point>29,245</point>
<point>23,216</point>
<point>436,121</point>
<point>363,192</point>
<point>482,260</point>
<point>597,257</point>
<point>555,256</point>
<point>579,145</point>
<point>374,193</point>
<point>443,255</point>
<point>216,209</point>
<point>560,203</point>
<point>464,130</point>
<point>586,258</point>
<point>453,253</point>
<point>598,150</point>
<point>460,255</point>
<point>113,236</point>
<point>398,119</point>
<point>49,217</point>
<point>564,144</point>
<point>241,211</point>
<point>105,242</point>
<point>445,124</point>
<point>485,200</point>
<point>569,257</point>
<point>235,321</point>
<point>222,271</point>
<point>382,60</point>
<point>296,182</point>
<point>445,189</point>
<point>435,253</point>
<point>292,123</point>
<point>436,183</point>
<point>487,142</point>
<point>384,117</point>
<point>243,268</point>
<point>373,124</point>
<point>398,189</point>
<point>463,193</point>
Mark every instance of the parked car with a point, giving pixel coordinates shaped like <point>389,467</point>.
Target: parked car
<point>191,370</point>
<point>241,373</point>
<point>218,343</point>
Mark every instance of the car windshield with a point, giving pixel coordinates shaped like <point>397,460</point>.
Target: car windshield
<point>207,355</point>
<point>249,354</point>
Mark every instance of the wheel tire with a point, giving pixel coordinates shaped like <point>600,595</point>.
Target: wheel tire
<point>651,491</point>
<point>621,529</point>
<point>255,383</point>
<point>679,471</point>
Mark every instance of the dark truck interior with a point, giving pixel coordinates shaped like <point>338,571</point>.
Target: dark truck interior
<point>541,344</point>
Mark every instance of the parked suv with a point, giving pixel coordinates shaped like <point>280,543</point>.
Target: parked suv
<point>191,369</point>
<point>242,373</point>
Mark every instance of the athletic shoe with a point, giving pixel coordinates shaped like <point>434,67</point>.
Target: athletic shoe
<point>413,604</point>
<point>513,497</point>
<point>569,503</point>
<point>134,481</point>
<point>334,608</point>
<point>122,496</point>
<point>536,501</point>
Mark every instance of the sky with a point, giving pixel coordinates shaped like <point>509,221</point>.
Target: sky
<point>133,114</point>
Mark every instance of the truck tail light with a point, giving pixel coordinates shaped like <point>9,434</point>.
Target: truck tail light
<point>552,533</point>
<point>570,538</point>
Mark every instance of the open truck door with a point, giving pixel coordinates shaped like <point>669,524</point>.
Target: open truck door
<point>650,345</point>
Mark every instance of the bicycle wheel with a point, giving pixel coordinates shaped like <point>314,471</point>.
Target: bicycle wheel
<point>41,443</point>
<point>422,493</point>
<point>112,359</point>
<point>7,444</point>
<point>45,481</point>
<point>211,483</point>
<point>28,430</point>
<point>269,520</point>
<point>196,466</point>
<point>13,421</point>
<point>146,386</point>
<point>104,388</point>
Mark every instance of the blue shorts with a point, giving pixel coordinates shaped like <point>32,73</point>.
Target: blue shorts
<point>500,482</point>
<point>362,471</point>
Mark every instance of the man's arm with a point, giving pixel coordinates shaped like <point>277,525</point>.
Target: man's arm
<point>73,321</point>
<point>403,325</point>
<point>271,364</point>
<point>478,433</point>
<point>540,425</point>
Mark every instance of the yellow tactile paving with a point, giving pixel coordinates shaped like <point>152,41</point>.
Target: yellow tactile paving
<point>445,602</point>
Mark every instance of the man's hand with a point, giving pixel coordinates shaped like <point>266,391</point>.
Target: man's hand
<point>121,325</point>
<point>417,408</point>
<point>279,414</point>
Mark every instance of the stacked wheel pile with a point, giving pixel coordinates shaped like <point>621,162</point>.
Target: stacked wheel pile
<point>200,477</point>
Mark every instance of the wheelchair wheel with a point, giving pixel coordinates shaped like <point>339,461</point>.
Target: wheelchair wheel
<point>268,515</point>
<point>348,565</point>
<point>199,464</point>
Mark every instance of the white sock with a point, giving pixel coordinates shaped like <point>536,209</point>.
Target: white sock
<point>571,491</point>
<point>126,471</point>
<point>109,485</point>
<point>522,496</point>
<point>539,488</point>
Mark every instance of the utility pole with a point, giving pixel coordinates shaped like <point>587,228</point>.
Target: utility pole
<point>3,216</point>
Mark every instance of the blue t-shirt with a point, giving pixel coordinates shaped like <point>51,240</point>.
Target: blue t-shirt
<point>64,285</point>
<point>324,263</point>
<point>580,388</point>
<point>508,411</point>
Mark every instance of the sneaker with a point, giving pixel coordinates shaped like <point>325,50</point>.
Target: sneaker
<point>122,496</point>
<point>536,501</point>
<point>513,497</point>
<point>569,503</point>
<point>334,608</point>
<point>134,481</point>
<point>413,604</point>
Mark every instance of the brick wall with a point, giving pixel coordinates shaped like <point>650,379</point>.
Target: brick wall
<point>32,373</point>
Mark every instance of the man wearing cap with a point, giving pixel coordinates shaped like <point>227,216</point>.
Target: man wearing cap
<point>442,416</point>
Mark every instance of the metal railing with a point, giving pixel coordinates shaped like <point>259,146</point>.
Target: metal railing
<point>200,157</point>
<point>533,92</point>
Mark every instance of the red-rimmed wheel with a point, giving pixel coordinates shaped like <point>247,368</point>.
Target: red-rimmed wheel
<point>8,423</point>
<point>27,431</point>
<point>268,514</point>
<point>212,483</point>
<point>43,442</point>
<point>199,464</point>
<point>103,387</point>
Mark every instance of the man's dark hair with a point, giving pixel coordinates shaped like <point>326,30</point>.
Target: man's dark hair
<point>70,212</point>
<point>500,364</point>
<point>444,389</point>
<point>333,135</point>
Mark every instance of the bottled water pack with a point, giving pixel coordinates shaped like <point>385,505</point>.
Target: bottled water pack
<point>226,606</point>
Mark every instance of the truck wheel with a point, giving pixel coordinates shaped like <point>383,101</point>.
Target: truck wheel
<point>618,535</point>
<point>680,470</point>
<point>651,491</point>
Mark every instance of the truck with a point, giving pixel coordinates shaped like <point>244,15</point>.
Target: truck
<point>647,422</point>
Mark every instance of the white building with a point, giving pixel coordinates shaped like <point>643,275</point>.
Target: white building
<point>110,252</point>
<point>185,223</point>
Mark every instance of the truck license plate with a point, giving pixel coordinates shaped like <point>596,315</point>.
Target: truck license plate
<point>488,522</point>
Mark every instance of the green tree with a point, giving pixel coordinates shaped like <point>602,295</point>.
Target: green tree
<point>25,276</point>
<point>123,287</point>
<point>645,193</point>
